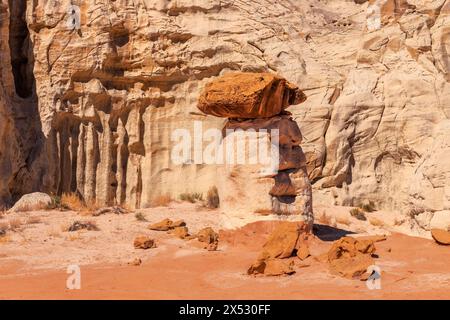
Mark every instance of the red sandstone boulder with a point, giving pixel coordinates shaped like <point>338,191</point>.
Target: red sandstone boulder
<point>441,236</point>
<point>350,257</point>
<point>163,225</point>
<point>283,240</point>
<point>144,242</point>
<point>248,96</point>
<point>272,267</point>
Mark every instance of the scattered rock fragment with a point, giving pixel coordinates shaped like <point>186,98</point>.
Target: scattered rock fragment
<point>441,236</point>
<point>277,267</point>
<point>283,240</point>
<point>350,257</point>
<point>352,267</point>
<point>272,267</point>
<point>212,246</point>
<point>303,251</point>
<point>207,235</point>
<point>347,247</point>
<point>166,225</point>
<point>180,232</point>
<point>136,262</point>
<point>287,240</point>
<point>163,225</point>
<point>178,223</point>
<point>144,242</point>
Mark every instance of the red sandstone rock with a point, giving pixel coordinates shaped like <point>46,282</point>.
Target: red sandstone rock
<point>248,95</point>
<point>441,236</point>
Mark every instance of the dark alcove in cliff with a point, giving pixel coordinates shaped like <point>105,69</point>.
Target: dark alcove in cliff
<point>21,49</point>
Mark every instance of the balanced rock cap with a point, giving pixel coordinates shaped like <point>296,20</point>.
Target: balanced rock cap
<point>249,96</point>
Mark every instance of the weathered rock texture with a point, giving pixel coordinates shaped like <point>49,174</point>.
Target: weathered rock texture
<point>249,95</point>
<point>98,112</point>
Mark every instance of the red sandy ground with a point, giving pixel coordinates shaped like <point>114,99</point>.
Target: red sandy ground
<point>412,268</point>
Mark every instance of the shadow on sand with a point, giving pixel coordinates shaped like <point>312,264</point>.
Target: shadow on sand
<point>327,233</point>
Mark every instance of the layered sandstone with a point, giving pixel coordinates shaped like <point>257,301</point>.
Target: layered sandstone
<point>97,112</point>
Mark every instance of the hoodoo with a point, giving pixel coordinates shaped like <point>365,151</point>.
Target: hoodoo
<point>255,105</point>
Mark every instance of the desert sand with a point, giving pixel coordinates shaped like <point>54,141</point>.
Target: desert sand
<point>34,260</point>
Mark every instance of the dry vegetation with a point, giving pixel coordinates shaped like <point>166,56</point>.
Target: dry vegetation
<point>358,214</point>
<point>192,197</point>
<point>212,198</point>
<point>72,202</point>
<point>140,217</point>
<point>368,207</point>
<point>83,225</point>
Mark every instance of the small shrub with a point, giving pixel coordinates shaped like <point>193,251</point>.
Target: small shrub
<point>212,198</point>
<point>56,204</point>
<point>414,211</point>
<point>368,207</point>
<point>191,197</point>
<point>90,208</point>
<point>87,225</point>
<point>140,217</point>
<point>73,202</point>
<point>161,201</point>
<point>358,214</point>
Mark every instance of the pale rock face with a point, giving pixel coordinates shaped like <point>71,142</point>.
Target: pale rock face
<point>98,114</point>
<point>253,183</point>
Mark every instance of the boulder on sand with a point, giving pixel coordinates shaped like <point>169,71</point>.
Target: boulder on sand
<point>32,201</point>
<point>272,267</point>
<point>441,236</point>
<point>248,96</point>
<point>180,232</point>
<point>163,225</point>
<point>284,240</point>
<point>144,242</point>
<point>207,235</point>
<point>350,257</point>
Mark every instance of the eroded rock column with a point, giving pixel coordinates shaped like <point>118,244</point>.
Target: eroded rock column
<point>259,129</point>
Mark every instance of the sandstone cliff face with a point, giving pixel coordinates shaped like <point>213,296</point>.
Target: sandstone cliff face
<point>376,73</point>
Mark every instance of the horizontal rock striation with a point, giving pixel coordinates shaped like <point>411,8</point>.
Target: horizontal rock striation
<point>97,112</point>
